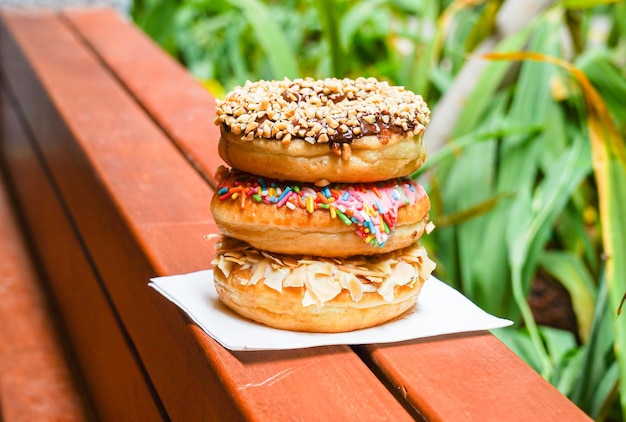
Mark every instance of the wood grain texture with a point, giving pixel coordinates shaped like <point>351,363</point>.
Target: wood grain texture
<point>188,134</point>
<point>470,377</point>
<point>126,186</point>
<point>111,370</point>
<point>176,101</point>
<point>37,375</point>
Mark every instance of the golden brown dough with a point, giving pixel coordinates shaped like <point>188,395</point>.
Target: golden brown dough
<point>284,223</point>
<point>370,161</point>
<point>319,295</point>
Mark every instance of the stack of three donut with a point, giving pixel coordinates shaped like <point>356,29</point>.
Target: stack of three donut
<point>321,226</point>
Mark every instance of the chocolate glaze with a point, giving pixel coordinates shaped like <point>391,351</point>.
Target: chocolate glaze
<point>379,128</point>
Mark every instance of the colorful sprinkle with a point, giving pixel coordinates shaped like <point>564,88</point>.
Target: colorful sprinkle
<point>376,191</point>
<point>310,204</point>
<point>403,195</point>
<point>343,218</point>
<point>372,208</point>
<point>379,206</point>
<point>284,196</point>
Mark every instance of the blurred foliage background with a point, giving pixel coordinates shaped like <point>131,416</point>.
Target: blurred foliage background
<point>527,163</point>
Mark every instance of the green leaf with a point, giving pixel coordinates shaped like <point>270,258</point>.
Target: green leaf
<point>531,223</point>
<point>328,15</point>
<point>584,4</point>
<point>355,18</point>
<point>473,211</point>
<point>156,20</point>
<point>558,342</point>
<point>615,244</point>
<point>456,147</point>
<point>573,231</point>
<point>490,80</point>
<point>596,352</point>
<point>281,58</point>
<point>609,160</point>
<point>571,272</point>
<point>608,79</point>
<point>567,372</point>
<point>605,393</point>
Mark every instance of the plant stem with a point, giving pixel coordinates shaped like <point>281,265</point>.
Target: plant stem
<point>529,321</point>
<point>327,12</point>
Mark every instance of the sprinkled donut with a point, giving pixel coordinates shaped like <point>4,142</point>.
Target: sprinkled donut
<point>335,220</point>
<point>323,131</point>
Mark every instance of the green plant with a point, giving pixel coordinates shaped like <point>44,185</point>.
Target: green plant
<point>527,164</point>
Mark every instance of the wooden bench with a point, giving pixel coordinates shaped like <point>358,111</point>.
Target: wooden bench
<point>111,149</point>
<point>38,379</point>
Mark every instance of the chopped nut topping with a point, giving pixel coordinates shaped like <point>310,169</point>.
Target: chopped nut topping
<point>346,152</point>
<point>333,111</point>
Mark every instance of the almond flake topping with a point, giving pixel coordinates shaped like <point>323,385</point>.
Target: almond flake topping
<point>324,278</point>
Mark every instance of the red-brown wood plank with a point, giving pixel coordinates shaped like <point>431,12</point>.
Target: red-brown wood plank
<point>177,102</point>
<point>142,210</point>
<point>111,371</point>
<point>198,138</point>
<point>470,377</point>
<point>37,376</point>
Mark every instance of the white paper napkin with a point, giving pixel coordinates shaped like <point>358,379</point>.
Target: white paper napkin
<point>440,310</point>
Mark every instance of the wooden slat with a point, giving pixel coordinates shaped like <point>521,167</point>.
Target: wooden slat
<point>142,211</point>
<point>176,101</point>
<point>112,372</point>
<point>452,365</point>
<point>470,377</point>
<point>36,374</point>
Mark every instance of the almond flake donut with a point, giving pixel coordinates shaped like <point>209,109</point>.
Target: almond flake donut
<point>319,294</point>
<point>337,220</point>
<point>321,131</point>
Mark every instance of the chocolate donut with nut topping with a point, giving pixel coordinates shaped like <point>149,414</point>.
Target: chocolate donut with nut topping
<point>322,131</point>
